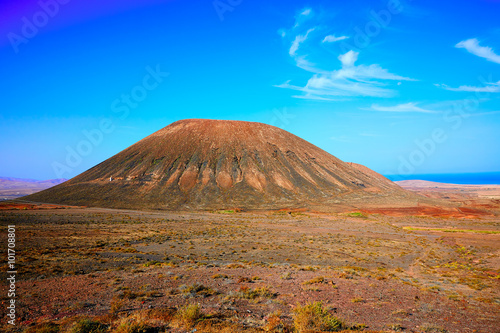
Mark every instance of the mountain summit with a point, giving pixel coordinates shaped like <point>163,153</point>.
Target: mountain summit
<point>211,164</point>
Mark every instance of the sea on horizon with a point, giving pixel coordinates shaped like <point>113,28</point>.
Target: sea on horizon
<point>479,178</point>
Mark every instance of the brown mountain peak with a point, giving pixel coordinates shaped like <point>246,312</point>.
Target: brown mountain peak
<point>206,164</point>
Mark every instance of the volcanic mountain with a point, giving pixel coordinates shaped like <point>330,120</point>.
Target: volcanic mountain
<point>214,164</point>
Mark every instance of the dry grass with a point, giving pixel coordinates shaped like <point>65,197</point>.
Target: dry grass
<point>188,315</point>
<point>315,317</point>
<point>275,323</point>
<point>261,292</point>
<point>197,290</point>
<point>87,325</point>
<point>319,279</point>
<point>48,327</point>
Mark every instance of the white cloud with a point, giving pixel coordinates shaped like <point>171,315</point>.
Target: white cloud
<point>332,38</point>
<point>348,59</point>
<point>297,41</point>
<point>350,80</point>
<point>472,46</point>
<point>406,107</point>
<point>489,87</point>
<point>303,16</point>
<point>306,12</point>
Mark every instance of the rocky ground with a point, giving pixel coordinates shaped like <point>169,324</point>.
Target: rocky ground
<point>252,271</point>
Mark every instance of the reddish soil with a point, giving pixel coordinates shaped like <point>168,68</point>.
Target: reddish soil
<point>18,205</point>
<point>459,212</point>
<point>368,269</point>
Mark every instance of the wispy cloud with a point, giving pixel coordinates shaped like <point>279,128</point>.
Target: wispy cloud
<point>306,12</point>
<point>406,107</point>
<point>349,80</point>
<point>489,87</point>
<point>303,16</point>
<point>472,46</point>
<point>332,38</point>
<point>298,40</point>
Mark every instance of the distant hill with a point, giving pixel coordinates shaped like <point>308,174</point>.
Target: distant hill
<point>11,188</point>
<point>211,164</point>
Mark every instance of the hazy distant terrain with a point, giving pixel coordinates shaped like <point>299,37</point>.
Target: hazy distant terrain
<point>11,188</point>
<point>433,189</point>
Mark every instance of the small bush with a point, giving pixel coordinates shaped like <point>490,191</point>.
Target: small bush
<point>396,327</point>
<point>187,316</point>
<point>249,293</point>
<point>274,323</point>
<point>309,268</point>
<point>139,322</point>
<point>356,214</point>
<point>318,279</point>
<point>314,317</point>
<point>220,276</point>
<point>116,305</point>
<point>43,328</point>
<point>197,290</point>
<point>87,325</point>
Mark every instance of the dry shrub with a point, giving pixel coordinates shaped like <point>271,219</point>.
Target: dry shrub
<point>220,276</point>
<point>319,279</point>
<point>244,279</point>
<point>249,293</point>
<point>274,323</point>
<point>162,314</point>
<point>188,315</point>
<point>48,327</point>
<point>314,317</point>
<point>116,305</point>
<point>197,290</point>
<point>87,325</point>
<point>139,322</point>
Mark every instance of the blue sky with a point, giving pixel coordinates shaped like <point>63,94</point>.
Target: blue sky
<point>403,87</point>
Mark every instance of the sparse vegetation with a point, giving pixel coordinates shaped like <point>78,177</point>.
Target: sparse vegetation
<point>319,279</point>
<point>356,214</point>
<point>188,315</point>
<point>315,317</point>
<point>197,290</point>
<point>260,292</point>
<point>48,327</point>
<point>129,261</point>
<point>87,325</point>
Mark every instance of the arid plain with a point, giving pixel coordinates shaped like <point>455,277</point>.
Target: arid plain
<point>425,269</point>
